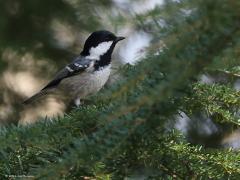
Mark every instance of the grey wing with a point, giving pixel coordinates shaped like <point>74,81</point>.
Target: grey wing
<point>77,66</point>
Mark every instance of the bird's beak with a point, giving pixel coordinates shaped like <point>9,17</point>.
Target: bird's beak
<point>119,38</point>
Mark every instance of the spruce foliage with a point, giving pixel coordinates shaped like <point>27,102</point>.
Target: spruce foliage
<point>123,132</point>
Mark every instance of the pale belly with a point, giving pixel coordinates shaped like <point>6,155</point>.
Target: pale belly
<point>85,84</point>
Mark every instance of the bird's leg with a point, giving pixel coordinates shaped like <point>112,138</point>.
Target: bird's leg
<point>77,102</point>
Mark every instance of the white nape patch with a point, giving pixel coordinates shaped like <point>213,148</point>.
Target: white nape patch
<point>101,49</point>
<point>90,67</point>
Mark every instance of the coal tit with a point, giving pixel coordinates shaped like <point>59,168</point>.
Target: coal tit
<point>87,73</point>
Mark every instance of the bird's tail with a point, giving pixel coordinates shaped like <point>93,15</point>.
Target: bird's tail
<point>34,97</point>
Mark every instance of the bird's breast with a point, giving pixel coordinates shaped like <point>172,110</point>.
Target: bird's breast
<point>87,83</point>
<point>101,76</point>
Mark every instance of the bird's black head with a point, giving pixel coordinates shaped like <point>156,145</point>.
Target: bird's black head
<point>99,46</point>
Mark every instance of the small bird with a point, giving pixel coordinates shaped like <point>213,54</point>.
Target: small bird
<point>87,73</point>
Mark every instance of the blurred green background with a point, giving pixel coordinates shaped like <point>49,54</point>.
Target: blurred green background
<point>171,103</point>
<point>37,39</point>
<point>40,37</point>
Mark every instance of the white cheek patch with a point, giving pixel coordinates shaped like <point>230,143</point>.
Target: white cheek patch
<point>101,49</point>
